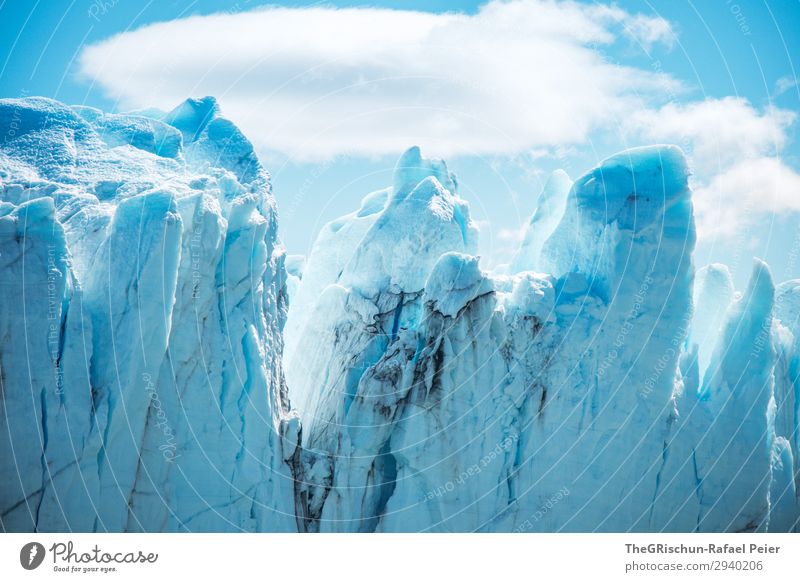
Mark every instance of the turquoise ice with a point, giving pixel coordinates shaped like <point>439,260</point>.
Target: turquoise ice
<point>165,367</point>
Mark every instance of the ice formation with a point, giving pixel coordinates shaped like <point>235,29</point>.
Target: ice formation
<point>602,385</point>
<point>549,210</point>
<point>141,321</point>
<point>593,397</point>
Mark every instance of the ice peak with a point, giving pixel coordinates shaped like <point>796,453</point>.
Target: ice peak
<point>407,238</point>
<point>549,210</point>
<point>743,354</point>
<point>557,182</point>
<point>192,116</point>
<point>761,287</point>
<point>455,280</point>
<point>211,140</point>
<point>718,273</point>
<point>412,168</point>
<point>636,202</point>
<point>639,182</point>
<point>428,191</point>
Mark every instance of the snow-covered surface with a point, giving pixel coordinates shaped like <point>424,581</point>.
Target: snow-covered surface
<point>600,385</point>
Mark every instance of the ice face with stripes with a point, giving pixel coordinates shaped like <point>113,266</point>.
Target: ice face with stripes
<point>603,382</point>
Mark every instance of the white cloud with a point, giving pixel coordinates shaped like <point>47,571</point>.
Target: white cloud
<point>313,82</point>
<point>717,131</point>
<point>744,190</point>
<point>648,31</point>
<point>524,78</point>
<point>735,157</point>
<point>785,84</point>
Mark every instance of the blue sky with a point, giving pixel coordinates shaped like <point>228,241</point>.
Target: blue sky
<point>505,93</point>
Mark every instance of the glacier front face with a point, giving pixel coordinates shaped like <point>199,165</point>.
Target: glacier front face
<point>583,392</point>
<point>601,385</point>
<point>141,321</point>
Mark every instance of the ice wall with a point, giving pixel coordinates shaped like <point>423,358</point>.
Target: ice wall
<point>602,386</point>
<point>592,398</point>
<point>141,325</point>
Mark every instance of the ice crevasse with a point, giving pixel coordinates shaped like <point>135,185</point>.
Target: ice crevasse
<point>603,384</point>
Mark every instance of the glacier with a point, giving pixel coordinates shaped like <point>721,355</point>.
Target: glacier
<point>144,296</point>
<point>165,366</point>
